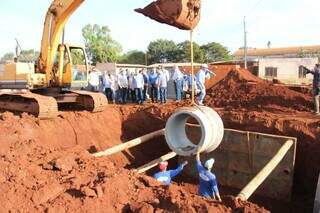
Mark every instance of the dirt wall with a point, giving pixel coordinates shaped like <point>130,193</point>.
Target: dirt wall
<point>45,166</point>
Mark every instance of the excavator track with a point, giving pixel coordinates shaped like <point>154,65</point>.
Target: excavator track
<point>41,106</point>
<point>91,101</point>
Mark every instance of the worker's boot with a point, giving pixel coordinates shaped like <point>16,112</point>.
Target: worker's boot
<point>184,14</point>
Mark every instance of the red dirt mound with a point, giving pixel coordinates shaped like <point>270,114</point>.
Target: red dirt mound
<point>220,70</point>
<point>242,90</point>
<point>38,179</point>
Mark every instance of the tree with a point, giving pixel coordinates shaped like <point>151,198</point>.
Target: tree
<point>133,57</point>
<point>184,52</point>
<point>215,52</point>
<point>162,50</point>
<point>7,57</point>
<point>99,44</point>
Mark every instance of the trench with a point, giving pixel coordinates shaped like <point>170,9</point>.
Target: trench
<point>99,131</point>
<point>141,123</point>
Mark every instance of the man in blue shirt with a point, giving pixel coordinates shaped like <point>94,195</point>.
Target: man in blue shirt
<point>153,77</point>
<point>208,186</point>
<point>165,176</point>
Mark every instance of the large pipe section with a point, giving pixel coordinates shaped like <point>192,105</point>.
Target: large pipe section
<point>129,144</point>
<point>251,187</point>
<point>211,125</point>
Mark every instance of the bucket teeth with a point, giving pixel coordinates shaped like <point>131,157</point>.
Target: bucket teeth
<point>183,14</point>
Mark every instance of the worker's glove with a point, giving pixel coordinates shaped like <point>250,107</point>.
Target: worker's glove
<point>185,163</point>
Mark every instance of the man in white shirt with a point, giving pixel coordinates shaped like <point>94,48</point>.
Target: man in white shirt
<point>123,86</point>
<point>178,82</point>
<point>162,83</point>
<point>132,92</point>
<point>107,83</point>
<point>201,77</point>
<point>138,82</point>
<point>94,80</point>
<point>167,77</point>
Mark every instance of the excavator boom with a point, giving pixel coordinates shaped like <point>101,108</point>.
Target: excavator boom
<point>56,18</point>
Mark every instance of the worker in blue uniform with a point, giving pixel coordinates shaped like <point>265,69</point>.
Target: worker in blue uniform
<point>165,176</point>
<point>208,186</point>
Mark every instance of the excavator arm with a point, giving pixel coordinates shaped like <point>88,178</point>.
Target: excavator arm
<point>56,18</point>
<point>184,14</point>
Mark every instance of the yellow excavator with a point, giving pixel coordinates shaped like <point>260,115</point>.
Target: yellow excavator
<point>62,69</point>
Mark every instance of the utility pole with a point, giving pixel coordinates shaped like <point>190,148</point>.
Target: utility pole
<point>245,48</point>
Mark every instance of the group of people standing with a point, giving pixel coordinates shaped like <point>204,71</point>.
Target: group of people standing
<point>140,85</point>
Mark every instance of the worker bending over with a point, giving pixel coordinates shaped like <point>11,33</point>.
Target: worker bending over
<point>165,176</point>
<point>208,186</point>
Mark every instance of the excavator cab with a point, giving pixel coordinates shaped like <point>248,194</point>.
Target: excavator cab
<point>75,67</point>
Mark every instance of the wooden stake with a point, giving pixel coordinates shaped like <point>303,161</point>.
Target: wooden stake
<point>155,162</point>
<point>249,189</point>
<point>129,144</point>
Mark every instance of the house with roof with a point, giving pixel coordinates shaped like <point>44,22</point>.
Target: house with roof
<point>282,64</point>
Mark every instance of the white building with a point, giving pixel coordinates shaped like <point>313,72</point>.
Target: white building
<point>282,63</point>
<point>286,70</point>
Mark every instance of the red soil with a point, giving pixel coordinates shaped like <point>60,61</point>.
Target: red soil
<point>220,70</point>
<point>45,166</point>
<point>242,90</point>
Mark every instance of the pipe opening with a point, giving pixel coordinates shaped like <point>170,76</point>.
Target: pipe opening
<point>184,140</point>
<point>193,130</point>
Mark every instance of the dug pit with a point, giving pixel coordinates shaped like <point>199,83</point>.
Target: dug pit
<point>52,157</point>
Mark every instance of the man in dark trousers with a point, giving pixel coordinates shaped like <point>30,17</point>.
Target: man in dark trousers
<point>208,186</point>
<point>316,85</point>
<point>153,77</point>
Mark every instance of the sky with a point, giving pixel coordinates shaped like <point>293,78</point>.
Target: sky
<point>283,23</point>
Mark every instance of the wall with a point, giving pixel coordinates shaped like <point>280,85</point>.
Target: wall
<point>288,69</point>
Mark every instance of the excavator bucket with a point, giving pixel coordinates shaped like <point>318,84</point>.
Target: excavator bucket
<point>183,14</point>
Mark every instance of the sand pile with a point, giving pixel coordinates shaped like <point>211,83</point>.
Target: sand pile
<point>242,90</point>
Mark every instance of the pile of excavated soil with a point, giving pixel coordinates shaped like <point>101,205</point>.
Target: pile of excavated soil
<point>242,90</point>
<point>56,173</point>
<point>220,70</point>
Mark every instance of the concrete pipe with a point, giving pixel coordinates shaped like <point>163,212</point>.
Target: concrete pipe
<point>211,126</point>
